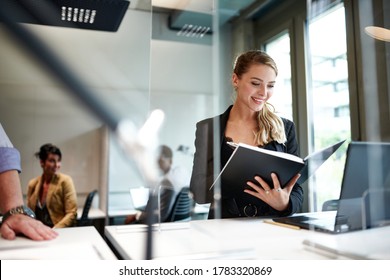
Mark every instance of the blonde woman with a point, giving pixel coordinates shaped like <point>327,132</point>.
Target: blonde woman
<point>250,120</point>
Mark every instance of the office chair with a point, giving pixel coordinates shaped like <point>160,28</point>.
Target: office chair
<point>84,221</point>
<point>181,210</point>
<point>330,205</point>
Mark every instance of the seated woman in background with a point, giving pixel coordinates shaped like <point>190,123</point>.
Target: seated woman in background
<point>52,196</point>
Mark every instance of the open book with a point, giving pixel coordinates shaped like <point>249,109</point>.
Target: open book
<point>248,161</point>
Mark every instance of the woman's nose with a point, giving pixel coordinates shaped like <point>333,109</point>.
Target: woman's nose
<point>262,90</point>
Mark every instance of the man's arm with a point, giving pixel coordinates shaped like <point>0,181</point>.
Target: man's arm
<point>11,197</point>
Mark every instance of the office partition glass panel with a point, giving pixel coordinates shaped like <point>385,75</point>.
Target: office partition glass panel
<point>374,102</point>
<point>181,72</point>
<point>329,95</point>
<point>182,75</point>
<point>40,106</point>
<point>191,65</point>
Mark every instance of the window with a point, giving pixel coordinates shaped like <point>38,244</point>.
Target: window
<point>315,90</point>
<point>328,92</point>
<point>279,49</point>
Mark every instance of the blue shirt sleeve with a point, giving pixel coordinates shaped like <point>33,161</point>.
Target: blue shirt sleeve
<point>9,156</point>
<point>9,159</point>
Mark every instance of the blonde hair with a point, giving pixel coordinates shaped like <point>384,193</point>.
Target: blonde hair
<point>270,126</point>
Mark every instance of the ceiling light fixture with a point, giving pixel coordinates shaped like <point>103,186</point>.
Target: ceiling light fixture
<point>378,33</point>
<point>103,15</point>
<point>190,30</point>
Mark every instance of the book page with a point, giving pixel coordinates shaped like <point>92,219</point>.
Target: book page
<point>275,153</point>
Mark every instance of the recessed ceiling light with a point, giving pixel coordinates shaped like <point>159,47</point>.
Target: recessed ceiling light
<point>379,33</point>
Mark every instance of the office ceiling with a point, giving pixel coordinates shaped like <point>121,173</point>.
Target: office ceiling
<point>202,6</point>
<point>185,11</point>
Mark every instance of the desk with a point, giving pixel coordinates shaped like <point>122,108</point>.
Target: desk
<point>94,213</point>
<point>366,244</point>
<point>97,218</point>
<point>200,211</point>
<point>71,244</point>
<point>215,239</point>
<point>118,216</point>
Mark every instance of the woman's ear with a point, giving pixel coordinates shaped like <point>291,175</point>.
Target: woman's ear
<point>234,81</point>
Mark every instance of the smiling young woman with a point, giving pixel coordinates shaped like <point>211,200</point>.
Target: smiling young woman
<point>250,120</point>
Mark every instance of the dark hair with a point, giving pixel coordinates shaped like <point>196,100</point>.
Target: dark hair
<point>165,151</point>
<point>247,59</point>
<point>47,149</point>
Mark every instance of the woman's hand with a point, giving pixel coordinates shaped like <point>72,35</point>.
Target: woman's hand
<point>277,197</point>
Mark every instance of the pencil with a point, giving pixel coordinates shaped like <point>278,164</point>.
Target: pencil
<point>282,225</point>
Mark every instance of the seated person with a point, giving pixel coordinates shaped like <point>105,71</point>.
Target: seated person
<point>52,196</point>
<point>172,180</point>
<point>17,218</point>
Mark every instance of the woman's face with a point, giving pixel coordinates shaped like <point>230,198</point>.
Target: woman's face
<point>51,165</point>
<point>255,87</point>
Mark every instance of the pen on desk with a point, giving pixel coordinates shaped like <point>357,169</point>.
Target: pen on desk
<point>282,225</point>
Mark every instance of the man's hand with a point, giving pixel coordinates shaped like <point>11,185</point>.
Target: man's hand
<point>22,224</point>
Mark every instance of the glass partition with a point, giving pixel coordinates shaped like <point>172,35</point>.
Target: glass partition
<point>183,79</point>
<point>41,105</point>
<point>177,56</point>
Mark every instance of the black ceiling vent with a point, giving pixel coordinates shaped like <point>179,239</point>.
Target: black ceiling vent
<point>103,15</point>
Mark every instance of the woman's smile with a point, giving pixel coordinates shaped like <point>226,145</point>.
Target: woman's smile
<point>258,101</point>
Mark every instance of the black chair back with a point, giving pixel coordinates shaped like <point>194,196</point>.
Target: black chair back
<point>84,221</point>
<point>181,210</point>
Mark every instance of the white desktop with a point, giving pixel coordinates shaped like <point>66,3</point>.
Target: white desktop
<point>73,243</point>
<point>242,239</point>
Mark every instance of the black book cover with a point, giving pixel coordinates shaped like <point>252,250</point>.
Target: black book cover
<point>248,161</point>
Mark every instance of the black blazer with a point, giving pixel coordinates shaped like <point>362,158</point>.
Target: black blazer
<point>210,134</point>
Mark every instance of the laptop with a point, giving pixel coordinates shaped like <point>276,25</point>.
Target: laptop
<point>365,193</point>
<point>139,197</point>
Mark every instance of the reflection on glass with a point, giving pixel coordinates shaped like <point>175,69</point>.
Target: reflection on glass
<point>330,97</point>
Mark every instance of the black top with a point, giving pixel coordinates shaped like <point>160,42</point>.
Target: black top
<point>42,214</point>
<point>205,170</point>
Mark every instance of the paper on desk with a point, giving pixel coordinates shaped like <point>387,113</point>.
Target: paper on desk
<point>73,251</point>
